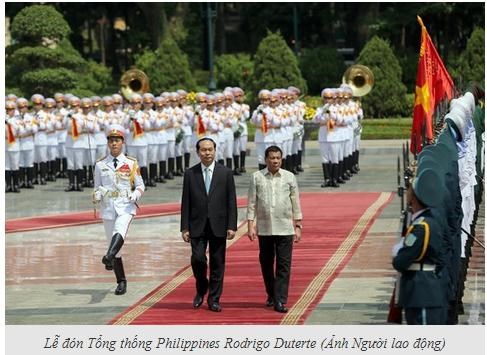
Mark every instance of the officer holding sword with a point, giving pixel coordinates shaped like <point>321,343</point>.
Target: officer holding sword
<point>118,187</point>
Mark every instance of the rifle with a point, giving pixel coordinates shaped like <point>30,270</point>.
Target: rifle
<point>395,311</point>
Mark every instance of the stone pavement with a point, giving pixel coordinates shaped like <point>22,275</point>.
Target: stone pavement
<point>55,276</point>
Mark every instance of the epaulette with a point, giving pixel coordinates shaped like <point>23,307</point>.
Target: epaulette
<point>131,158</point>
<point>101,159</point>
<point>419,220</point>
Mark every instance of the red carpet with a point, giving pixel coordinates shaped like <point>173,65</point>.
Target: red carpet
<point>87,217</point>
<point>334,226</point>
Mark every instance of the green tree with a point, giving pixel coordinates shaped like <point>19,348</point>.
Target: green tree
<point>233,70</point>
<point>321,67</point>
<point>43,60</point>
<point>388,96</point>
<point>276,66</point>
<point>167,67</point>
<point>472,60</point>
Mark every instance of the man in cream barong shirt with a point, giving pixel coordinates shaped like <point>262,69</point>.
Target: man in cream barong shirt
<point>274,216</point>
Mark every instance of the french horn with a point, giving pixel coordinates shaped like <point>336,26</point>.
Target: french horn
<point>360,78</point>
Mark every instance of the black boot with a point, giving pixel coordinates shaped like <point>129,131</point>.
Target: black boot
<point>300,155</point>
<point>152,175</point>
<point>357,167</point>
<point>221,162</point>
<point>64,171</point>
<point>43,172</point>
<point>35,181</point>
<point>242,161</point>
<point>187,158</point>
<point>334,174</point>
<point>120,275</point>
<point>115,246</point>
<point>340,178</point>
<point>179,166</point>
<point>162,171</point>
<point>229,163</point>
<point>51,170</point>
<point>325,175</point>
<point>80,175</point>
<point>294,164</point>
<point>15,178</point>
<point>58,168</point>
<point>236,171</point>
<point>283,165</point>
<point>170,169</point>
<point>143,173</point>
<point>30,177</point>
<point>71,181</point>
<point>23,178</point>
<point>8,181</point>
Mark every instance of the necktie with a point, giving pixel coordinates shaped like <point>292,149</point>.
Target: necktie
<point>115,162</point>
<point>207,179</point>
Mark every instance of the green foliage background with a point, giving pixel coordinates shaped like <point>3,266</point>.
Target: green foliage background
<point>167,67</point>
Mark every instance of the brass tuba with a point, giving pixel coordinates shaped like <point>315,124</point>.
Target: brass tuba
<point>134,81</point>
<point>360,78</point>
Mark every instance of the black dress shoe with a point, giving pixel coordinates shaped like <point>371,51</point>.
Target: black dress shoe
<point>215,307</point>
<point>269,302</point>
<point>197,301</point>
<point>279,307</point>
<point>121,288</point>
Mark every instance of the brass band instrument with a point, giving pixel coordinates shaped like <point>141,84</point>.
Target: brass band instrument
<point>360,78</point>
<point>134,81</point>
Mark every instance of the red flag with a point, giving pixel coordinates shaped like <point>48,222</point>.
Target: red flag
<point>138,131</point>
<point>74,129</point>
<point>201,126</point>
<point>10,134</point>
<point>264,123</point>
<point>433,83</point>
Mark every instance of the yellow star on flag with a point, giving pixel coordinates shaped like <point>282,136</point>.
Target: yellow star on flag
<point>423,97</point>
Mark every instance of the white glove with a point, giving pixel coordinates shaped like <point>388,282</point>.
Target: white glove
<point>397,247</point>
<point>134,196</point>
<point>97,196</point>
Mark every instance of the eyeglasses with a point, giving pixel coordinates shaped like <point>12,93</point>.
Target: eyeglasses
<point>9,109</point>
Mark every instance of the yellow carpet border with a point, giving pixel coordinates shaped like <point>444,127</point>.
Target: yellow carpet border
<point>300,307</point>
<point>138,310</point>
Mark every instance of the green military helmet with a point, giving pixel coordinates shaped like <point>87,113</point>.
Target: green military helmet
<point>428,187</point>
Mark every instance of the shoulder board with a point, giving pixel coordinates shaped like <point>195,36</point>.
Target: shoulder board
<point>101,159</point>
<point>131,158</point>
<point>419,220</point>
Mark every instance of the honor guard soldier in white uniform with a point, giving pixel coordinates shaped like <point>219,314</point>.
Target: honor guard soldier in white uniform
<point>160,137</point>
<point>260,118</point>
<point>53,124</point>
<point>230,124</point>
<point>40,139</point>
<point>12,148</point>
<point>241,135</point>
<point>151,116</point>
<point>102,120</point>
<point>60,112</point>
<point>118,105</point>
<point>299,108</point>
<point>186,126</point>
<point>28,127</point>
<point>118,187</point>
<point>90,129</point>
<point>328,138</point>
<point>76,145</point>
<point>135,121</point>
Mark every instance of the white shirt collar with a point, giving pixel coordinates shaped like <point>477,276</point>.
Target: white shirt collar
<point>211,167</point>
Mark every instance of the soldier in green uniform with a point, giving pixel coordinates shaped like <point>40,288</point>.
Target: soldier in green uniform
<point>419,257</point>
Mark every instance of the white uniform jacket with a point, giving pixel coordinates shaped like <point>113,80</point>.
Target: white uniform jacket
<point>116,185</point>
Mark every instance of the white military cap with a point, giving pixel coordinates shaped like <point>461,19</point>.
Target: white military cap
<point>115,130</point>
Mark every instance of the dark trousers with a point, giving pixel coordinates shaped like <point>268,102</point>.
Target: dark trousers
<point>421,316</point>
<point>199,261</point>
<point>276,280</point>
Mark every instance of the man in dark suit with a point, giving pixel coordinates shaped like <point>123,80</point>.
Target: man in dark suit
<point>208,217</point>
